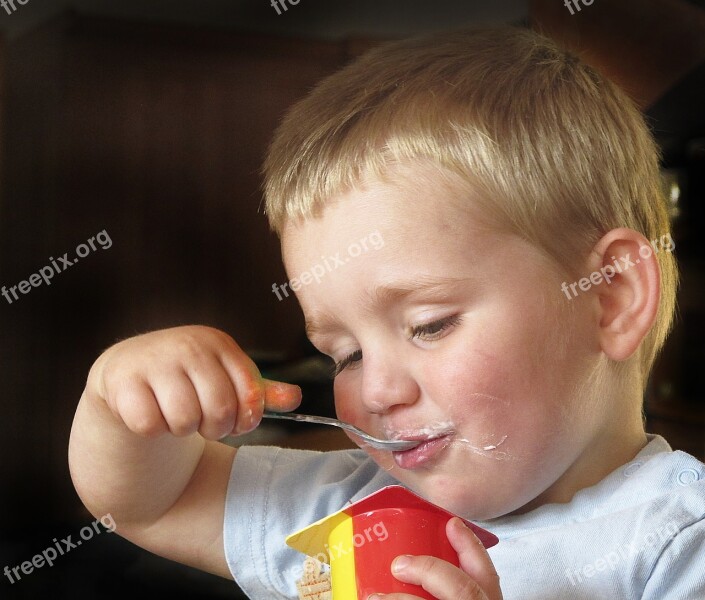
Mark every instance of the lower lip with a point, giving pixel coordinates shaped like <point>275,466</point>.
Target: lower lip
<point>422,454</point>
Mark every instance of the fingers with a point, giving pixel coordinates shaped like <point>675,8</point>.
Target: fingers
<point>184,380</point>
<point>474,559</point>
<point>216,399</point>
<point>253,392</point>
<point>438,577</point>
<point>476,579</point>
<point>137,407</point>
<point>247,384</point>
<point>178,402</point>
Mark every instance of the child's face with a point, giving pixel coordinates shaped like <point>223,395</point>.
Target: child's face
<point>459,337</point>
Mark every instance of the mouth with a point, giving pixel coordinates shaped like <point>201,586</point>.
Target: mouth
<point>429,448</point>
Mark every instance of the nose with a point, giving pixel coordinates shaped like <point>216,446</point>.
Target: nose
<point>386,384</point>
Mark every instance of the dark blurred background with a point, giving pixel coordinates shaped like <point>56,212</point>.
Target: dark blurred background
<point>149,120</point>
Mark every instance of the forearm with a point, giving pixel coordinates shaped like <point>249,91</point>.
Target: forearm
<point>137,479</point>
<point>144,443</point>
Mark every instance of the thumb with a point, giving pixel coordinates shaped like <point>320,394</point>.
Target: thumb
<point>474,559</point>
<point>281,396</point>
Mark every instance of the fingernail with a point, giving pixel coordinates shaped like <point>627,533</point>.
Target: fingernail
<point>375,597</point>
<point>400,563</point>
<point>466,527</point>
<point>282,386</point>
<point>280,393</point>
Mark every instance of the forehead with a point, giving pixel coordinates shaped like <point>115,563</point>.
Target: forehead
<point>415,206</point>
<point>435,250</point>
<point>420,242</point>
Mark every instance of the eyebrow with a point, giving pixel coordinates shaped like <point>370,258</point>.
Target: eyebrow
<point>425,285</point>
<point>387,293</point>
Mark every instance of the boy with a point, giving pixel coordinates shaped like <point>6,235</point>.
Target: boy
<point>498,171</point>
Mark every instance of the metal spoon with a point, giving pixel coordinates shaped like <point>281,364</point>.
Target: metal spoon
<point>373,442</point>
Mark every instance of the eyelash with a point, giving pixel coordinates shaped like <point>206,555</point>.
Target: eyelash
<point>341,365</point>
<point>434,329</point>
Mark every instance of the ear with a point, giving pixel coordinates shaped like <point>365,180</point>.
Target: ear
<point>627,296</point>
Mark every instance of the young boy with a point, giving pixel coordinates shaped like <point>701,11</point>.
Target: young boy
<point>499,172</point>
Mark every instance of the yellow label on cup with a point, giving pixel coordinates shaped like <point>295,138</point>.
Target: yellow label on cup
<point>342,560</point>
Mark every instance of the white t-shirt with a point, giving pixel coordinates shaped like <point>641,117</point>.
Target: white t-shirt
<point>639,533</point>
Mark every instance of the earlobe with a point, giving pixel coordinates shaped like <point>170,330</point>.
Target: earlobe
<point>628,297</point>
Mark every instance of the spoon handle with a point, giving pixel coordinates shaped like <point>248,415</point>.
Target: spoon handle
<point>368,439</point>
<point>306,419</point>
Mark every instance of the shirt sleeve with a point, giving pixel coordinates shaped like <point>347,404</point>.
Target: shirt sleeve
<point>273,492</point>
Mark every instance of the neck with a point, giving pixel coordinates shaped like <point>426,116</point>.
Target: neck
<point>617,443</point>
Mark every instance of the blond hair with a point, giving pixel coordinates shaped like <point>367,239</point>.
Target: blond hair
<point>558,153</point>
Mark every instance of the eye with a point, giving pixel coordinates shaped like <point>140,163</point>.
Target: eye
<point>434,330</point>
<point>351,358</point>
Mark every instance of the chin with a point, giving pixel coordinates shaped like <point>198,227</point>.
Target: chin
<point>443,491</point>
<point>446,490</point>
<point>475,503</point>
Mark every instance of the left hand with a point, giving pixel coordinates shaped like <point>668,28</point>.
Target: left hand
<point>476,579</point>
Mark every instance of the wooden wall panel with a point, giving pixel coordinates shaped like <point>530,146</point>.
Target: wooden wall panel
<point>156,135</point>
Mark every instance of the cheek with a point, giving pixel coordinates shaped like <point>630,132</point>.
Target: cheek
<point>496,396</point>
<point>467,379</point>
<point>346,409</point>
